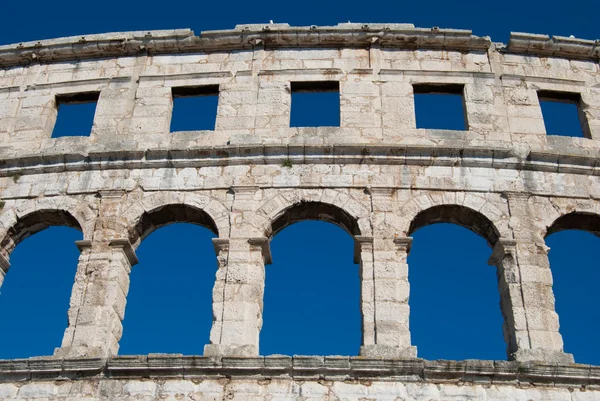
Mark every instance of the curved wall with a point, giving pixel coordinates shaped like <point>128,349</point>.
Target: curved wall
<point>376,175</point>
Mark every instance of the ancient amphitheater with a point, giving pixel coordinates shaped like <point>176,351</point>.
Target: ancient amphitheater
<point>377,175</point>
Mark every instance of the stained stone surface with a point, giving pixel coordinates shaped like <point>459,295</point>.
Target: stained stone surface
<point>376,175</point>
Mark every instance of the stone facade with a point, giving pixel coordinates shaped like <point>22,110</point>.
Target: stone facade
<point>376,175</point>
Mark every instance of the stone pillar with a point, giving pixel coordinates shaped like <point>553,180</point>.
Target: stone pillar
<point>237,107</point>
<point>101,285</point>
<point>360,102</point>
<point>363,255</point>
<point>273,105</point>
<point>36,118</point>
<point>511,302</point>
<point>384,296</point>
<point>483,111</point>
<point>152,109</point>
<point>239,286</point>
<point>398,107</point>
<point>525,119</point>
<point>98,300</point>
<point>113,112</point>
<point>525,281</point>
<point>238,296</point>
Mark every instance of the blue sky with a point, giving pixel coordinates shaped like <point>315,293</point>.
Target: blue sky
<point>312,288</point>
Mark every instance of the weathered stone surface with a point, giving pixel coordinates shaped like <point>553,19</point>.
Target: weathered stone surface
<point>377,175</point>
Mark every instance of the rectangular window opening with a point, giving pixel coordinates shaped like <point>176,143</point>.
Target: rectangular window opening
<point>563,114</point>
<point>315,104</point>
<point>194,108</point>
<point>440,106</point>
<point>75,114</point>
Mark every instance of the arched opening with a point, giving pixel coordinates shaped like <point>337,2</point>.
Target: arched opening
<point>454,298</point>
<point>312,293</point>
<point>573,241</point>
<point>169,304</point>
<point>169,214</point>
<point>459,215</point>
<point>315,211</point>
<point>34,298</point>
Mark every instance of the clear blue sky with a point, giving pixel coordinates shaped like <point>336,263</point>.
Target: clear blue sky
<point>312,288</point>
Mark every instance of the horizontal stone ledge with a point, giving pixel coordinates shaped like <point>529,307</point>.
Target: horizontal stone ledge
<point>405,36</point>
<point>573,161</point>
<point>243,37</point>
<point>310,367</point>
<point>556,46</point>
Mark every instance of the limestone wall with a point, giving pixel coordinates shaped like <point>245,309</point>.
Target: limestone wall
<point>172,377</point>
<point>376,175</point>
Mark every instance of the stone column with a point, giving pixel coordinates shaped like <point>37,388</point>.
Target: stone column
<point>525,281</point>
<point>36,118</point>
<point>101,285</point>
<point>398,107</point>
<point>360,102</point>
<point>152,110</point>
<point>525,119</point>
<point>239,287</point>
<point>511,302</point>
<point>363,255</point>
<point>98,299</point>
<point>385,291</point>
<point>238,296</point>
<point>484,114</point>
<point>237,107</point>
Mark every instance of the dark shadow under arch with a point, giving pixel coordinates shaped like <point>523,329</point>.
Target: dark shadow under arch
<point>460,215</point>
<point>35,222</point>
<point>315,211</point>
<point>589,222</point>
<point>168,214</point>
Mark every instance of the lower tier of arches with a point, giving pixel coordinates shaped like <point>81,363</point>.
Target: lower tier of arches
<point>244,221</point>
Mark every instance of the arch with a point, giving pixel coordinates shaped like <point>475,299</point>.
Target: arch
<point>460,215</point>
<point>555,214</point>
<point>168,214</point>
<point>328,205</point>
<point>315,211</point>
<point>158,209</point>
<point>34,222</point>
<point>25,217</point>
<point>585,221</point>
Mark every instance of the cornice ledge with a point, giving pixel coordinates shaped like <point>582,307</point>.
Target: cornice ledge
<point>556,46</point>
<point>572,161</point>
<point>333,367</point>
<point>242,37</point>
